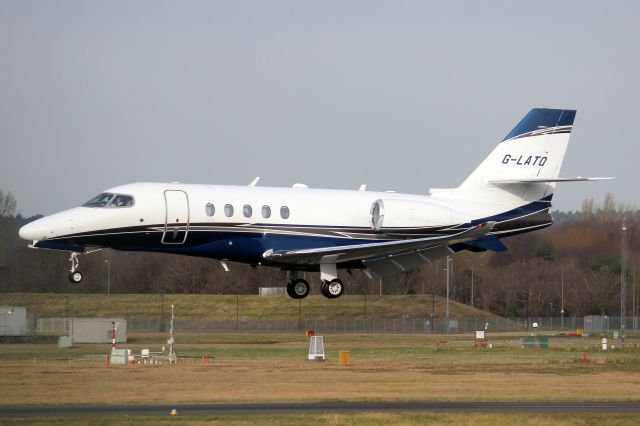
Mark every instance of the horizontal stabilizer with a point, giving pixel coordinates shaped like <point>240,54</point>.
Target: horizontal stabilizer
<point>546,180</point>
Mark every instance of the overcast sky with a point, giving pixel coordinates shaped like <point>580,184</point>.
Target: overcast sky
<point>400,95</point>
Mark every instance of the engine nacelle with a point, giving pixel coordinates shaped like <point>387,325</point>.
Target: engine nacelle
<point>392,214</point>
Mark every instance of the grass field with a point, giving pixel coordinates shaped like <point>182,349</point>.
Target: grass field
<point>357,419</point>
<point>227,307</point>
<point>597,419</point>
<point>273,367</point>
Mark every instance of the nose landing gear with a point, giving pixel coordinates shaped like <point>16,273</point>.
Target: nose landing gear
<point>75,276</point>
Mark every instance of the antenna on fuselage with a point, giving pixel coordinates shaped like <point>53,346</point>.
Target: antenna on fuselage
<point>255,181</point>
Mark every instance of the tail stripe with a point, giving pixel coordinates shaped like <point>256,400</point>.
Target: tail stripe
<point>545,131</point>
<point>543,119</point>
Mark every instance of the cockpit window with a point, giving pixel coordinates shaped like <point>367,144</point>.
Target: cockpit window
<point>100,200</point>
<point>107,199</point>
<point>122,201</point>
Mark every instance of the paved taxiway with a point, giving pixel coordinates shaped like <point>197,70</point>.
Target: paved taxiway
<point>319,408</point>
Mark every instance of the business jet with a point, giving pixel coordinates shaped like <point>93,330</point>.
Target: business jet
<point>325,230</point>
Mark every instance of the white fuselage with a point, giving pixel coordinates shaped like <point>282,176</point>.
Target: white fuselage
<point>306,206</point>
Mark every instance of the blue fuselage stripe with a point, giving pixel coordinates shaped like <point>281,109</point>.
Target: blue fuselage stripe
<point>247,242</point>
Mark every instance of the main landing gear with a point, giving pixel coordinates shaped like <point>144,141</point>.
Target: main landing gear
<point>298,288</point>
<point>75,276</point>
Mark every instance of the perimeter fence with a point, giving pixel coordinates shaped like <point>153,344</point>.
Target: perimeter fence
<point>437,325</point>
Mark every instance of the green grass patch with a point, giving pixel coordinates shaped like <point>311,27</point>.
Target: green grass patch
<point>220,307</point>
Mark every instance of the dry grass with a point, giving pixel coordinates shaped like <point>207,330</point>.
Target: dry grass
<point>225,307</point>
<point>274,368</point>
<point>356,419</point>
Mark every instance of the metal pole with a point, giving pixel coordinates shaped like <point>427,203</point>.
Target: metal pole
<point>237,312</point>
<point>162,312</point>
<point>433,308</point>
<point>68,326</point>
<point>380,286</point>
<point>472,286</point>
<point>634,302</point>
<point>528,318</point>
<point>108,262</point>
<point>364,324</point>
<point>448,286</point>
<point>623,282</point>
<point>562,297</point>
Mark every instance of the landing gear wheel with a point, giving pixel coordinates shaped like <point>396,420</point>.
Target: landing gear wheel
<point>323,289</point>
<point>332,289</point>
<point>298,289</point>
<point>75,277</point>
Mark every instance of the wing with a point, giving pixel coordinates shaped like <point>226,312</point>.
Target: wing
<point>371,253</point>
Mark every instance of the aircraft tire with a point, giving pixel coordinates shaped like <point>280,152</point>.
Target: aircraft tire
<point>298,289</point>
<point>75,277</point>
<point>332,289</point>
<point>323,289</point>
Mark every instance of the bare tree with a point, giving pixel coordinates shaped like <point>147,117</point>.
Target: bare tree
<point>7,204</point>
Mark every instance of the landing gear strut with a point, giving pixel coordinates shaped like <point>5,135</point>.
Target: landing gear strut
<point>75,276</point>
<point>297,288</point>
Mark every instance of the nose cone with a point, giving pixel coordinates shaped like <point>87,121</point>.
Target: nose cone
<point>33,231</point>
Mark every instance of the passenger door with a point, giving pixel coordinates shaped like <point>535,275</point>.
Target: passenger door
<point>176,225</point>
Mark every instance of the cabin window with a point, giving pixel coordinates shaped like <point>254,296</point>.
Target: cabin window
<point>247,211</point>
<point>284,212</point>
<point>266,212</point>
<point>121,201</point>
<point>228,210</point>
<point>100,200</point>
<point>210,209</point>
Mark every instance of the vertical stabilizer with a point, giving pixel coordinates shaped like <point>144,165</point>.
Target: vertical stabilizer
<point>532,151</point>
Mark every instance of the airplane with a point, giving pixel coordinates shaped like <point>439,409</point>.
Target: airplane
<point>301,229</point>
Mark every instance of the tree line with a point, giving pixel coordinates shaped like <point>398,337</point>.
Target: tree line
<point>574,265</point>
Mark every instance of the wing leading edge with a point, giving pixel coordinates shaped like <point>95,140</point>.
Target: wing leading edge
<point>372,252</point>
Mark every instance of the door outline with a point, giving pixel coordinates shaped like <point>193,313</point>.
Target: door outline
<point>181,226</point>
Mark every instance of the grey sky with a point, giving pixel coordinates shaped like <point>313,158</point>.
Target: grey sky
<point>400,95</point>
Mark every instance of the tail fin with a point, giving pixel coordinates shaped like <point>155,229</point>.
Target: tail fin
<point>525,166</point>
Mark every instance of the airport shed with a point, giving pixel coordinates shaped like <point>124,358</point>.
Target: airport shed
<point>13,321</point>
<point>97,330</point>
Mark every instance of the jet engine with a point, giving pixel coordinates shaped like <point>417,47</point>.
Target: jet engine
<point>393,214</point>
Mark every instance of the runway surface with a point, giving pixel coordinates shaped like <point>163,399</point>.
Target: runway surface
<point>189,410</point>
